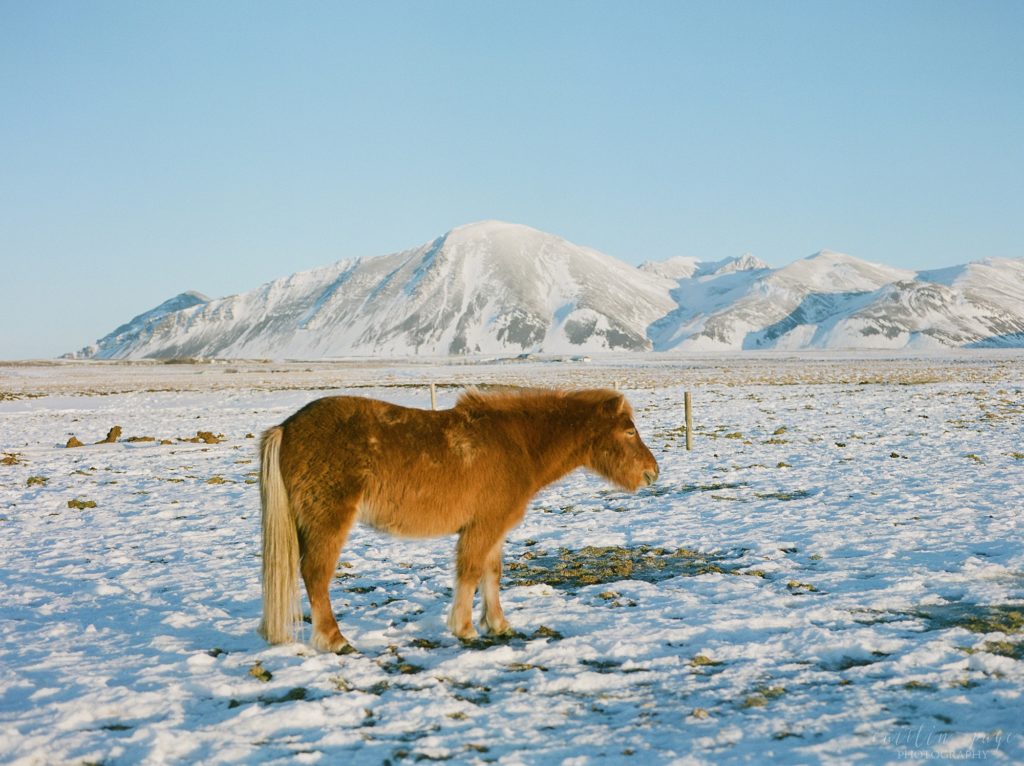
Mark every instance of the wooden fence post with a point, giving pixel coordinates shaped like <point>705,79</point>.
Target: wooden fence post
<point>433,396</point>
<point>688,407</point>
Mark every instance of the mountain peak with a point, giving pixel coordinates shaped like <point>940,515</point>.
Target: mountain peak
<point>184,300</point>
<point>832,271</point>
<point>676,267</point>
<point>684,267</point>
<point>493,229</point>
<point>489,226</point>
<point>746,262</point>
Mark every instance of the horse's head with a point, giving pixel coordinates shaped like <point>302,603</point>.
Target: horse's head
<point>616,450</point>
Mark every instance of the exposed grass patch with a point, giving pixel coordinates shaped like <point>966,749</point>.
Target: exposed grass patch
<point>545,632</point>
<point>846,662</point>
<point>112,436</point>
<point>295,694</point>
<point>292,695</point>
<point>796,494</point>
<point>713,487</point>
<point>594,565</point>
<point>424,643</point>
<point>522,667</point>
<point>977,618</point>
<point>36,481</point>
<point>204,437</point>
<point>259,672</point>
<point>11,458</point>
<point>402,668</point>
<point>703,661</point>
<point>763,696</point>
<point>476,694</point>
<point>360,589</point>
<point>514,638</point>
<point>918,686</point>
<point>601,666</point>
<point>800,587</point>
<point>1013,649</point>
<point>81,504</point>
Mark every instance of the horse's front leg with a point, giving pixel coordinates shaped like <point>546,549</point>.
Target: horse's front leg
<point>492,617</point>
<point>471,554</point>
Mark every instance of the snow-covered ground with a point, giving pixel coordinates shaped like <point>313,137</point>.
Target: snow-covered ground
<point>850,587</point>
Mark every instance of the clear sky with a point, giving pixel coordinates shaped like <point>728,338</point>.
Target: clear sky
<point>149,148</point>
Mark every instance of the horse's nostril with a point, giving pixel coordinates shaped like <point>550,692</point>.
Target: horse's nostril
<point>650,477</point>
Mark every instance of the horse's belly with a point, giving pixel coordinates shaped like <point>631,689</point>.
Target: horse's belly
<point>402,522</point>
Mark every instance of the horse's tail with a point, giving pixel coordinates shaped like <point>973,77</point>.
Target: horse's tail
<point>280,547</point>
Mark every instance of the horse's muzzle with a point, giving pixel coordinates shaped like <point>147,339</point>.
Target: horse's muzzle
<point>651,476</point>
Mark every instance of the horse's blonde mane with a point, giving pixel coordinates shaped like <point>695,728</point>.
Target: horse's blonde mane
<point>514,399</point>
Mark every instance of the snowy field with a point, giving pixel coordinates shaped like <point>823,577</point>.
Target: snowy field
<point>833,575</point>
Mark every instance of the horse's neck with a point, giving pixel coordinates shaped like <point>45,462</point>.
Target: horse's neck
<point>553,442</point>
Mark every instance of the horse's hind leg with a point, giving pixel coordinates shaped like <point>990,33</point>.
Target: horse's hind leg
<point>320,542</point>
<point>492,617</point>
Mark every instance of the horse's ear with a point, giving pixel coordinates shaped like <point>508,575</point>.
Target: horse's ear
<point>614,404</point>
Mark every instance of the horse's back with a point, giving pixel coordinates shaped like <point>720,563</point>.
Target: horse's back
<point>334,432</point>
<point>357,423</point>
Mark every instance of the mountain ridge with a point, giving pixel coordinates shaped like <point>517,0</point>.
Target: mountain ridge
<point>497,288</point>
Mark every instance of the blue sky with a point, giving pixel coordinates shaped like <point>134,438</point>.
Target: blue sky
<point>149,148</point>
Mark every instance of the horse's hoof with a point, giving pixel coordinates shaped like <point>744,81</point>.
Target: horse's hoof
<point>463,630</point>
<point>465,633</point>
<point>501,629</point>
<point>337,644</point>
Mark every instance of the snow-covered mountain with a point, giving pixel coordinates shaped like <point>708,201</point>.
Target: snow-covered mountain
<point>483,288</point>
<point>834,301</point>
<point>133,333</point>
<point>499,288</point>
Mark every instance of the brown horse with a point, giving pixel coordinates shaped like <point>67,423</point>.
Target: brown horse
<point>469,470</point>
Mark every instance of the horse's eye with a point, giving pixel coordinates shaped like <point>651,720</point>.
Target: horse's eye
<point>630,432</point>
